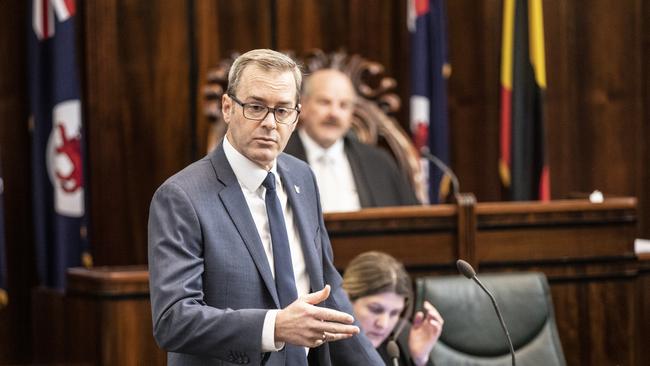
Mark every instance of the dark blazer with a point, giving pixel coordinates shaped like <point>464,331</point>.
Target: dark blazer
<point>210,280</point>
<point>376,175</point>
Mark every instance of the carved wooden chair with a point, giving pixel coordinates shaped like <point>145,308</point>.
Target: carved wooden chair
<point>372,123</point>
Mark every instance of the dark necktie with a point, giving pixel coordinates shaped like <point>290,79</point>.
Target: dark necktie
<point>284,280</point>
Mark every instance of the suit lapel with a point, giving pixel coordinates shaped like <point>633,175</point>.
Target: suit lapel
<point>359,173</point>
<point>307,226</point>
<point>233,200</point>
<point>295,147</point>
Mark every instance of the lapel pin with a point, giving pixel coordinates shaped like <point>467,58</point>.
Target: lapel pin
<point>296,188</point>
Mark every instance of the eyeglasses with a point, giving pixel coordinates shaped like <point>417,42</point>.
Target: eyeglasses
<point>258,112</point>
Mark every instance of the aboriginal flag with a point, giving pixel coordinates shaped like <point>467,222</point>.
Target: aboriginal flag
<point>523,165</point>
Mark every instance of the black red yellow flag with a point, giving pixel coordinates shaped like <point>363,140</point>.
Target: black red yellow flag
<point>523,165</point>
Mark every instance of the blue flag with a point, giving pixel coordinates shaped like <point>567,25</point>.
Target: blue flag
<point>57,142</point>
<point>3,261</point>
<point>429,71</point>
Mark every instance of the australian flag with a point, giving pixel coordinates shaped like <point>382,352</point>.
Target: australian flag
<point>429,72</point>
<point>3,261</point>
<point>57,142</point>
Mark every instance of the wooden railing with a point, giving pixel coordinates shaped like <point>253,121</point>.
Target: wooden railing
<point>600,288</point>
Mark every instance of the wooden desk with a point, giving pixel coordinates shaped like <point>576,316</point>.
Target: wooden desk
<point>586,250</point>
<point>433,237</point>
<point>600,289</point>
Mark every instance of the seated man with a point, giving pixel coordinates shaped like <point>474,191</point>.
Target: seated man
<point>350,174</point>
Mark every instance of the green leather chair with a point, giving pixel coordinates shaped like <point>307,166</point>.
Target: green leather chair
<point>472,334</point>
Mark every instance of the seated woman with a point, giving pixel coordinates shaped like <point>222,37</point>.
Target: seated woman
<point>381,294</point>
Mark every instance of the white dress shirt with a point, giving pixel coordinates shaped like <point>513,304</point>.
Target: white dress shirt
<point>338,191</point>
<point>250,177</point>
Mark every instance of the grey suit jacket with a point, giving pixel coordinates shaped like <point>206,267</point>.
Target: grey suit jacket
<point>211,284</point>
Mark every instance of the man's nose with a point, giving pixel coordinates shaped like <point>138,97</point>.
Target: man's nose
<point>269,121</point>
<point>335,112</point>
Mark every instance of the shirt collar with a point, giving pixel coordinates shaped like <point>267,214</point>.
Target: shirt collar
<point>314,151</point>
<point>249,174</point>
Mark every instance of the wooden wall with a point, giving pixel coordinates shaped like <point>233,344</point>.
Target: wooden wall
<point>144,65</point>
<point>15,332</point>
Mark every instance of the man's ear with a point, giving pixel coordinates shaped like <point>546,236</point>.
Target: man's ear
<point>226,107</point>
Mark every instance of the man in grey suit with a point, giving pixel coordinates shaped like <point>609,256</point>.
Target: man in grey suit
<point>240,264</point>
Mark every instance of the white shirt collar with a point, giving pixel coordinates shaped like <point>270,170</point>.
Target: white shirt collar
<point>314,151</point>
<point>249,174</point>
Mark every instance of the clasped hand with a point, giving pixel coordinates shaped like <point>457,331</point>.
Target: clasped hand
<point>304,324</point>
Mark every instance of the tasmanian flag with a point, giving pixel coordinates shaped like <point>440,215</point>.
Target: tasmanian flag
<point>427,22</point>
<point>3,261</point>
<point>523,165</point>
<point>57,142</point>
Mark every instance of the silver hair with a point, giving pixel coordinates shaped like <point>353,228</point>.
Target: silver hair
<point>265,59</point>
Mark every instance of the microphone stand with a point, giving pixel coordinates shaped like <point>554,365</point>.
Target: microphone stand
<point>444,168</point>
<point>503,324</point>
<point>391,347</point>
<point>467,271</point>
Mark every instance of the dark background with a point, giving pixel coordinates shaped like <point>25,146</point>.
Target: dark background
<point>144,62</point>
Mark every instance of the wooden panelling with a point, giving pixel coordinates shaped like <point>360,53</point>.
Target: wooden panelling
<point>643,142</point>
<point>15,332</point>
<point>601,304</point>
<point>104,319</point>
<point>643,287</point>
<point>608,85</point>
<point>221,28</point>
<point>506,245</point>
<point>375,29</point>
<point>474,53</point>
<point>303,25</point>
<point>584,249</point>
<point>593,108</point>
<point>122,314</point>
<point>137,114</point>
<point>144,63</point>
<point>561,107</point>
<point>584,297</point>
<point>381,228</point>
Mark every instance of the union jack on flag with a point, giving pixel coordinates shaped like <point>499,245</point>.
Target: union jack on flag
<point>429,72</point>
<point>57,142</point>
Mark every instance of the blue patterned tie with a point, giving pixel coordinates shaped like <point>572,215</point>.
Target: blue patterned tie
<point>284,279</point>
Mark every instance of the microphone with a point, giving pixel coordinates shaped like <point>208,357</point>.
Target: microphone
<point>391,347</point>
<point>424,151</point>
<point>469,272</point>
<point>393,351</point>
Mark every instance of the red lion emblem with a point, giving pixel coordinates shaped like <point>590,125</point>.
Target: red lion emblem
<point>421,135</point>
<point>72,149</point>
